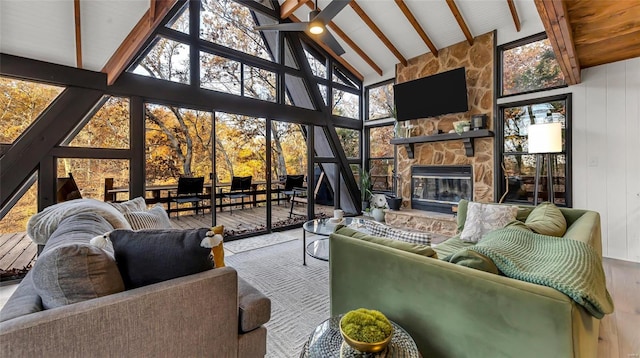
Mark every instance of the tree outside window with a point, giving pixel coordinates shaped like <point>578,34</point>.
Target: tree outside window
<point>529,65</point>
<point>519,167</point>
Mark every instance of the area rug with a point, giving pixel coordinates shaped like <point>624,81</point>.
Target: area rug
<point>252,243</point>
<point>299,294</point>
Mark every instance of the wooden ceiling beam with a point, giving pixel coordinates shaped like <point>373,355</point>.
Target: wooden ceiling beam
<point>376,30</point>
<point>463,25</point>
<point>335,56</point>
<point>152,10</point>
<point>553,14</point>
<point>289,6</point>
<point>76,15</point>
<point>416,25</point>
<point>514,14</point>
<point>352,44</point>
<point>136,38</point>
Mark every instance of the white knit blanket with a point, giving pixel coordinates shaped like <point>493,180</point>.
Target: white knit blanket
<point>43,224</point>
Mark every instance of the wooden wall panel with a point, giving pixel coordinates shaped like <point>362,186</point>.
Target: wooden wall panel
<point>596,131</point>
<point>632,132</point>
<point>616,159</point>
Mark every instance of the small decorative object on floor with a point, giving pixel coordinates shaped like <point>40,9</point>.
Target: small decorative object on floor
<point>378,203</point>
<point>366,330</point>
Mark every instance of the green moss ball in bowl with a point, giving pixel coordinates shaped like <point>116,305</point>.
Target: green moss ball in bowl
<point>366,330</point>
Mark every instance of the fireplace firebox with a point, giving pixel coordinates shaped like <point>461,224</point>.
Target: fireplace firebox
<point>440,187</point>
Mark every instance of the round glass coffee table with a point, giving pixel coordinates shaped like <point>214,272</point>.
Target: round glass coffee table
<point>319,249</point>
<point>326,342</point>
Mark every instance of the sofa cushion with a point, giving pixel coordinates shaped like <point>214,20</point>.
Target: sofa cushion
<point>413,237</point>
<point>154,218</point>
<point>419,249</point>
<point>254,307</point>
<point>474,260</point>
<point>482,218</point>
<point>73,273</point>
<point>461,215</point>
<point>451,246</point>
<point>376,228</point>
<point>24,300</point>
<point>149,256</point>
<point>134,205</point>
<point>42,225</point>
<point>547,219</point>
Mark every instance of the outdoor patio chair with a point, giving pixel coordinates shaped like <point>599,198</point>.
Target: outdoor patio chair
<point>299,195</point>
<point>240,188</point>
<point>189,190</point>
<point>292,184</point>
<point>67,189</point>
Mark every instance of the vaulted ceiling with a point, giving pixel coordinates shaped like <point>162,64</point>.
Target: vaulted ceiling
<point>375,34</point>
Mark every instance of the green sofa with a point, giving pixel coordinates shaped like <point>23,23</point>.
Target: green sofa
<point>455,311</point>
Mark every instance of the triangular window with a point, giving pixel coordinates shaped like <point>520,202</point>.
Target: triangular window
<point>317,68</point>
<point>220,74</point>
<point>342,78</point>
<point>167,60</point>
<point>227,23</point>
<point>180,22</point>
<point>107,128</point>
<point>21,102</point>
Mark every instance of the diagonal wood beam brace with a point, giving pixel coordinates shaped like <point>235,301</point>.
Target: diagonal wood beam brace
<point>48,130</point>
<point>514,14</point>
<point>136,38</point>
<point>289,6</point>
<point>463,25</point>
<point>78,28</point>
<point>553,14</point>
<point>376,30</point>
<point>416,25</point>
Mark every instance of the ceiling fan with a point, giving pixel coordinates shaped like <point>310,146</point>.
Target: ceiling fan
<point>316,25</point>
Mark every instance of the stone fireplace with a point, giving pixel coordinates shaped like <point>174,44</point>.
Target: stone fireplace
<point>478,60</point>
<point>440,187</point>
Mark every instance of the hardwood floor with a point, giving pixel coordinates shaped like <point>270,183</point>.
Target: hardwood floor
<point>620,331</point>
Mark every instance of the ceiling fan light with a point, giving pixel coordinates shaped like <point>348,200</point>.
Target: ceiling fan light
<point>316,27</point>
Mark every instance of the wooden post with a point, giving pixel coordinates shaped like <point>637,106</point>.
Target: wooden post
<point>108,185</point>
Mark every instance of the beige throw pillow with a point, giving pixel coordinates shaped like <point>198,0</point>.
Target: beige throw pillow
<point>547,219</point>
<point>482,218</point>
<point>155,218</point>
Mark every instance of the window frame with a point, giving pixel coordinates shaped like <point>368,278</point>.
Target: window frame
<point>500,64</point>
<point>500,152</point>
<point>366,99</point>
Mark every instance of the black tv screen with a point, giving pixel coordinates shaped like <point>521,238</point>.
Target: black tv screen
<point>442,93</point>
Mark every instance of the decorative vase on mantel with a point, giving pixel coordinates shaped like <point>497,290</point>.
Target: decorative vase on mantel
<point>378,214</point>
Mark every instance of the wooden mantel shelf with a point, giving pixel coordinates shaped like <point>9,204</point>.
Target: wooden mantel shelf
<point>467,139</point>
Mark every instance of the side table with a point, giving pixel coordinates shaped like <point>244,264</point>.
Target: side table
<point>326,342</point>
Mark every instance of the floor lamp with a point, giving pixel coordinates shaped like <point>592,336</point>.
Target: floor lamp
<point>545,138</point>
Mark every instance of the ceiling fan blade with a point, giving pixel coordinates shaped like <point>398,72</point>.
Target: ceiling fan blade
<point>291,26</point>
<point>331,41</point>
<point>331,10</point>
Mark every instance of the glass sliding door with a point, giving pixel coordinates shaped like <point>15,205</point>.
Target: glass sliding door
<point>288,173</point>
<point>240,174</point>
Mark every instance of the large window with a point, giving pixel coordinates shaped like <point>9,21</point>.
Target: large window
<point>519,166</point>
<point>529,65</point>
<point>381,158</point>
<point>380,101</point>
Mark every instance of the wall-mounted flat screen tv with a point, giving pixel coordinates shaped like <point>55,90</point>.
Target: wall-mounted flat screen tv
<point>431,96</point>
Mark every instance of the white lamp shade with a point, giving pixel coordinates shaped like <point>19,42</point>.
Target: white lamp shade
<point>545,138</point>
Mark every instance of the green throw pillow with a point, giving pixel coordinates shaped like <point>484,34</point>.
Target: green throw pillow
<point>517,224</point>
<point>419,249</point>
<point>462,214</point>
<point>547,219</point>
<point>474,260</point>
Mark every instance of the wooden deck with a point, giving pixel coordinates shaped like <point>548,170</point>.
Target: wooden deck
<point>18,251</point>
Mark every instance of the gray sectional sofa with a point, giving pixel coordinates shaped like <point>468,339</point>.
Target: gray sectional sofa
<point>211,313</point>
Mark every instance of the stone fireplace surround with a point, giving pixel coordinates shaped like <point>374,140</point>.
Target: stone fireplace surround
<point>478,60</point>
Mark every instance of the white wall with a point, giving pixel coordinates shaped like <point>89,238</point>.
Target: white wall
<point>606,152</point>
